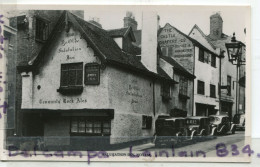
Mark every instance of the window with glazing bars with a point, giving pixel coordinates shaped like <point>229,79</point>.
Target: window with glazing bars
<point>71,74</point>
<point>87,126</point>
<point>41,29</point>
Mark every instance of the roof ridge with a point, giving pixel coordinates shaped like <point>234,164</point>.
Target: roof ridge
<point>117,28</point>
<point>203,34</point>
<point>194,41</point>
<point>173,62</point>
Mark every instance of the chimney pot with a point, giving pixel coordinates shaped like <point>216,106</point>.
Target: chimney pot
<point>129,20</point>
<point>95,21</point>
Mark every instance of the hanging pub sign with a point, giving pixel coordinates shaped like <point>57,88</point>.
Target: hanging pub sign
<point>92,74</point>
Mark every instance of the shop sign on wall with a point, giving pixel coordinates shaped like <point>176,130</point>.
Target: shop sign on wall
<point>70,44</point>
<point>177,44</point>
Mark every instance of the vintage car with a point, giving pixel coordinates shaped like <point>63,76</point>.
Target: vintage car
<point>169,130</point>
<point>198,126</point>
<point>239,121</point>
<point>221,125</point>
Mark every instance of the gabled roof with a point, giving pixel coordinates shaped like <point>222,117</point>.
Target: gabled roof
<point>177,67</point>
<point>163,73</point>
<point>122,32</point>
<point>105,48</point>
<point>201,32</point>
<point>195,42</point>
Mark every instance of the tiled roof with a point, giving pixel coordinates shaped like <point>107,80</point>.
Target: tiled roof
<point>162,72</point>
<point>121,32</point>
<point>177,67</point>
<point>105,44</point>
<point>101,42</point>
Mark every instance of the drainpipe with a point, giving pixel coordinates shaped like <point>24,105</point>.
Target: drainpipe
<point>237,84</point>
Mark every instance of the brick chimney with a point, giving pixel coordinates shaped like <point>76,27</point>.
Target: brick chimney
<point>216,26</point>
<point>129,21</point>
<point>95,21</point>
<point>149,40</point>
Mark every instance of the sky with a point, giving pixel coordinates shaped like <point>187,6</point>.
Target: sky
<point>181,17</point>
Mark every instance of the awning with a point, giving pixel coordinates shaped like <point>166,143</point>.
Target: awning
<point>74,112</point>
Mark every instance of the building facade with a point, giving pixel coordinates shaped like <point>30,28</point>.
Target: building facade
<point>86,86</point>
<point>33,28</point>
<point>198,60</point>
<point>231,94</point>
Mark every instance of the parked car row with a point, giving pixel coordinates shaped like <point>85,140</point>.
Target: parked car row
<point>172,129</point>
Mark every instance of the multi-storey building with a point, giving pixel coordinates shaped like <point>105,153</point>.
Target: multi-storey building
<point>198,60</point>
<point>230,94</point>
<point>32,29</point>
<point>90,87</point>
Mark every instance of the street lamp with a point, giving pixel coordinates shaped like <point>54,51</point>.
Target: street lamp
<point>234,50</point>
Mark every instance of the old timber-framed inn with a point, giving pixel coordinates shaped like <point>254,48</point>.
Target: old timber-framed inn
<point>86,87</point>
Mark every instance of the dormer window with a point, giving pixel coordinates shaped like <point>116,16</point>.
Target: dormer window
<point>42,29</point>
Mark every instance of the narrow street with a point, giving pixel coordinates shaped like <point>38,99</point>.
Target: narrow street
<point>208,146</point>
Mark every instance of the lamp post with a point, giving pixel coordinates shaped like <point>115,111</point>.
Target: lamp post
<point>234,50</point>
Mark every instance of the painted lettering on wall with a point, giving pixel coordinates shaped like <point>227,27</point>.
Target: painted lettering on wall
<point>175,44</point>
<point>70,45</point>
<point>63,101</point>
<point>134,89</point>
